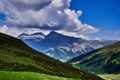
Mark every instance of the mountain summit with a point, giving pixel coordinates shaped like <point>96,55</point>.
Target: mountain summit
<point>64,47</point>
<point>55,39</point>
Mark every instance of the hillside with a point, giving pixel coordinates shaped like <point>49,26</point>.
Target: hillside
<point>17,56</point>
<point>102,60</point>
<point>7,75</point>
<point>110,76</point>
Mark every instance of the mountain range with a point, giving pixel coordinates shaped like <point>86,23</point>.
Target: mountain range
<point>17,56</point>
<point>100,61</point>
<point>60,46</point>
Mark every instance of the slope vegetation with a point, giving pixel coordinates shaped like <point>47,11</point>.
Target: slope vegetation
<point>103,60</point>
<point>6,75</point>
<point>17,56</point>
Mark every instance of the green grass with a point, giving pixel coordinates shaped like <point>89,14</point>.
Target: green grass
<point>110,76</point>
<point>100,61</point>
<point>90,69</point>
<point>11,58</point>
<point>17,56</point>
<point>4,75</point>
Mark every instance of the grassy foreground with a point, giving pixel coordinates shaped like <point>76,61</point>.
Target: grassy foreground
<point>110,76</point>
<point>17,56</point>
<point>5,75</point>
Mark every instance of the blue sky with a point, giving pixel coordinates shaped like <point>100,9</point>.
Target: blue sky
<point>2,17</point>
<point>103,14</point>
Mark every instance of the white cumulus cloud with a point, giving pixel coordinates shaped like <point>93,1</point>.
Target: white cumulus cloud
<point>10,31</point>
<point>44,15</point>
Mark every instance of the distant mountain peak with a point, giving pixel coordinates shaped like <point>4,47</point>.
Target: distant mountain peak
<point>61,46</point>
<point>59,38</point>
<point>55,33</point>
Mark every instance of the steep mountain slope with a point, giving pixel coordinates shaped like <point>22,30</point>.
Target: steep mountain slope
<point>17,56</point>
<point>102,60</point>
<point>64,47</point>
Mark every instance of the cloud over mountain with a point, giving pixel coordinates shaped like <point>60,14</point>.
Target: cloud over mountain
<point>44,15</point>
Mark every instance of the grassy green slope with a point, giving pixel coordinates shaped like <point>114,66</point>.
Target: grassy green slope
<point>103,60</point>
<point>17,56</point>
<point>110,76</point>
<point>5,75</point>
